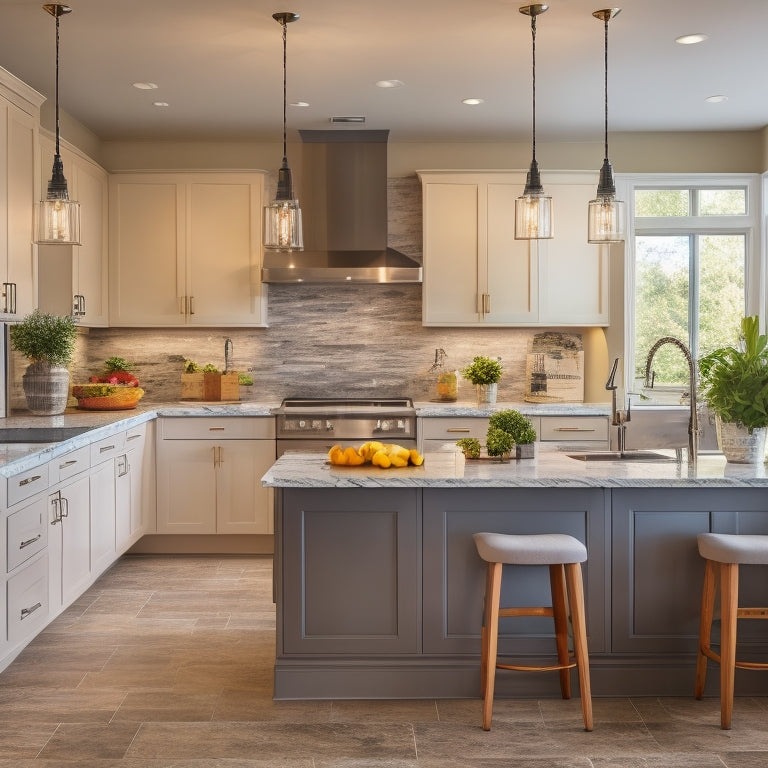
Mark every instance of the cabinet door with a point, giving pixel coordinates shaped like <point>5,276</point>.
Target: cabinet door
<point>512,265</point>
<point>70,518</point>
<point>243,504</point>
<point>130,502</point>
<point>90,184</point>
<point>186,486</point>
<point>350,580</point>
<point>18,251</point>
<point>451,250</point>
<point>102,500</point>
<point>146,251</point>
<point>573,273</point>
<point>224,252</point>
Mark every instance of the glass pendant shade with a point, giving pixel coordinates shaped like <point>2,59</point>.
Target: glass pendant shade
<point>282,217</point>
<point>533,217</point>
<point>606,220</point>
<point>57,218</point>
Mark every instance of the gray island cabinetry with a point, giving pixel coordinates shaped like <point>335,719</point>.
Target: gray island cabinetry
<point>379,588</point>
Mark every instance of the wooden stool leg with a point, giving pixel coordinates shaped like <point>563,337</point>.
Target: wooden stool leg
<point>578,620</point>
<point>560,615</point>
<point>492,599</point>
<point>705,627</point>
<point>484,630</point>
<point>729,602</point>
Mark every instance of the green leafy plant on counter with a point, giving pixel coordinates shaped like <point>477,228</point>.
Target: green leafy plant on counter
<point>470,447</point>
<point>114,364</point>
<point>190,366</point>
<point>734,382</point>
<point>498,442</point>
<point>483,370</point>
<point>245,380</point>
<point>514,423</point>
<point>45,338</point>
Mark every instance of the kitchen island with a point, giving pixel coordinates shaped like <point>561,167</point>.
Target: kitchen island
<point>379,587</point>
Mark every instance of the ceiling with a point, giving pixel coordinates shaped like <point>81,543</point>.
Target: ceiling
<point>218,65</point>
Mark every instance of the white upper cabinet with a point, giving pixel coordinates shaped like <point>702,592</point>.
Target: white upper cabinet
<point>19,121</point>
<point>476,273</point>
<point>185,249</point>
<point>73,278</point>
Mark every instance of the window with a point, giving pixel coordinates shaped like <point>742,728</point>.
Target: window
<point>692,254</point>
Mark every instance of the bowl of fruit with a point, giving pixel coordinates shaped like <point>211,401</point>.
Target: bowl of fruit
<point>117,389</point>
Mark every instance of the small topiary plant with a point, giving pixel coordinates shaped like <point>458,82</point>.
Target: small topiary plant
<point>514,423</point>
<point>470,447</point>
<point>483,370</point>
<point>498,442</point>
<point>45,338</point>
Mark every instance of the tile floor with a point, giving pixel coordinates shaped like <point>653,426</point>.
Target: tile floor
<point>166,663</point>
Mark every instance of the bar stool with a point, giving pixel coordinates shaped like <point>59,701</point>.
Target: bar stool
<point>724,553</point>
<point>564,555</point>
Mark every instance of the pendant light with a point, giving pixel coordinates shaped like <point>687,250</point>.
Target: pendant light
<point>533,210</point>
<point>58,217</point>
<point>282,217</point>
<point>606,213</point>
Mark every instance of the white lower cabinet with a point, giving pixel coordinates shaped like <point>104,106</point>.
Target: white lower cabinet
<point>131,502</point>
<point>209,475</point>
<point>69,538</point>
<point>102,503</point>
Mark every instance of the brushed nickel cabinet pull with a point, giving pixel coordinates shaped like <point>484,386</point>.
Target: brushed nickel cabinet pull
<point>486,303</point>
<point>106,448</point>
<point>68,463</point>
<point>9,293</point>
<point>574,429</point>
<point>28,480</point>
<point>458,429</point>
<point>30,541</point>
<point>191,305</point>
<point>217,429</point>
<point>132,437</point>
<point>29,611</point>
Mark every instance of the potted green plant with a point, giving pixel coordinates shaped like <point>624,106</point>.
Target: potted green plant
<point>499,443</point>
<point>485,373</point>
<point>519,427</point>
<point>48,342</point>
<point>470,447</point>
<point>734,383</point>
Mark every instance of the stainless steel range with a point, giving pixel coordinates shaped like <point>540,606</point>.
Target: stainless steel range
<point>309,424</point>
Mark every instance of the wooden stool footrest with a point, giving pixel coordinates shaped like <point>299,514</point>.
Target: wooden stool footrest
<point>528,668</point>
<point>710,654</point>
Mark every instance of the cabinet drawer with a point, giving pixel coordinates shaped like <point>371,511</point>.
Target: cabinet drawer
<point>28,600</point>
<point>70,464</point>
<point>27,484</point>
<point>453,428</point>
<point>135,437</point>
<point>218,428</point>
<point>27,532</point>
<point>107,448</point>
<point>576,428</point>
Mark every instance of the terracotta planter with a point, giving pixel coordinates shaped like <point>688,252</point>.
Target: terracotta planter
<point>46,388</point>
<point>738,445</point>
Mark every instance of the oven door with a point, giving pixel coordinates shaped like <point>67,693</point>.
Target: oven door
<point>323,446</point>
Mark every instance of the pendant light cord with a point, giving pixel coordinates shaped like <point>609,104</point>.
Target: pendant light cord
<point>606,87</point>
<point>533,81</point>
<point>285,88</point>
<point>57,84</point>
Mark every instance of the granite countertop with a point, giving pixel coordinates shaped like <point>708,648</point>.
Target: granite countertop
<point>550,469</point>
<point>431,409</point>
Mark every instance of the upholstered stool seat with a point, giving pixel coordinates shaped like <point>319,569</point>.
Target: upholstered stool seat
<point>564,555</point>
<point>724,553</point>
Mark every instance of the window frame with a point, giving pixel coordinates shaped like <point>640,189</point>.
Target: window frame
<point>747,224</point>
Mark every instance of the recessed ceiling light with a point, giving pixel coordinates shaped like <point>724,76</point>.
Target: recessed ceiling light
<point>697,37</point>
<point>718,99</point>
<point>473,102</point>
<point>160,104</point>
<point>299,103</point>
<point>390,83</point>
<point>145,86</point>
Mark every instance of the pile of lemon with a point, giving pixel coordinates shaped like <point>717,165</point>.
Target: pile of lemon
<point>382,455</point>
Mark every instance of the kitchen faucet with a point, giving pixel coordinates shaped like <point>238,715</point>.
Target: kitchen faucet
<point>228,352</point>
<point>620,417</point>
<point>693,421</point>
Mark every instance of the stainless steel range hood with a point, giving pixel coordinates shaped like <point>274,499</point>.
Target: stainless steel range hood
<point>344,207</point>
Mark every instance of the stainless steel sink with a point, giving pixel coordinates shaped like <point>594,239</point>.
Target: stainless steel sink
<point>642,456</point>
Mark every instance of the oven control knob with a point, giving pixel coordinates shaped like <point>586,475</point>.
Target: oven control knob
<point>302,424</point>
